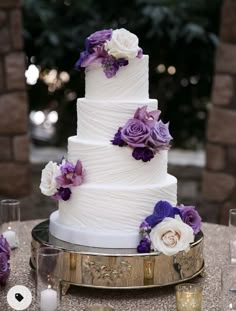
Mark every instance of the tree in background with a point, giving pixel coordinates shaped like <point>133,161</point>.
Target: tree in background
<point>180,37</point>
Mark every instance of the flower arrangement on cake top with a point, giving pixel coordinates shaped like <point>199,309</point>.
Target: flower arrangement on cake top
<point>110,48</point>
<point>5,251</point>
<point>57,180</point>
<point>145,134</point>
<point>169,229</point>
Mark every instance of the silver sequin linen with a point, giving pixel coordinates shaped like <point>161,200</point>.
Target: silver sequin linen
<point>216,252</point>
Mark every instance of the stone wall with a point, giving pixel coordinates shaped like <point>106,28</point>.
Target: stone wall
<point>14,142</point>
<point>219,179</point>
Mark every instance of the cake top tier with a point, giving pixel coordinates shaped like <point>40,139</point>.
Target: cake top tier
<point>111,49</point>
<point>115,66</point>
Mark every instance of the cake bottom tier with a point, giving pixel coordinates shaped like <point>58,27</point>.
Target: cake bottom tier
<point>109,216</point>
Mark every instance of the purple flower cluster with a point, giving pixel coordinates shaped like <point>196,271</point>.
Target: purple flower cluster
<point>4,260</point>
<point>95,53</point>
<point>71,176</point>
<point>145,242</point>
<point>164,209</point>
<point>145,133</point>
<point>111,65</point>
<point>94,48</point>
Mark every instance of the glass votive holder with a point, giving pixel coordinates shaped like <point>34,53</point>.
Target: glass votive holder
<point>188,297</point>
<point>98,308</point>
<point>48,278</point>
<point>228,288</point>
<point>232,235</point>
<point>10,221</point>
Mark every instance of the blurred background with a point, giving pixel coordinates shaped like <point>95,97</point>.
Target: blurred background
<point>182,38</point>
<point>179,36</point>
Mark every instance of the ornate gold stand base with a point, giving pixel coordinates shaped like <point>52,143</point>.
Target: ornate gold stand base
<point>120,268</point>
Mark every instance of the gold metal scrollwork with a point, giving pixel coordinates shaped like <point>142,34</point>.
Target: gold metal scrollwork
<point>110,272</point>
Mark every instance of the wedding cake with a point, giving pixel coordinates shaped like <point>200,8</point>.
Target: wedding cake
<point>113,188</point>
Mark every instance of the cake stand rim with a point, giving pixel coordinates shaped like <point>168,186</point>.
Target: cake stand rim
<point>147,259</point>
<point>90,252</point>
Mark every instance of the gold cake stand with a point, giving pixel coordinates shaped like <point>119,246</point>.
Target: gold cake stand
<point>119,268</point>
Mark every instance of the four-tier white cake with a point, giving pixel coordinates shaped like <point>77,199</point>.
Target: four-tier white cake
<point>118,192</point>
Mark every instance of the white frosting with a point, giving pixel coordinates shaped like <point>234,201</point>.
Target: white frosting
<point>100,120</point>
<point>108,209</point>
<point>119,192</point>
<point>105,163</point>
<point>129,83</point>
<point>108,164</point>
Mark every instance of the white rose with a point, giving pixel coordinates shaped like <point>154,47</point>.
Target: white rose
<point>171,236</point>
<point>123,44</point>
<point>48,185</point>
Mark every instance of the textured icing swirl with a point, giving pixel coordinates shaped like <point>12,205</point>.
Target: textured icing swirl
<point>103,207</point>
<point>108,164</point>
<point>100,120</point>
<point>130,82</point>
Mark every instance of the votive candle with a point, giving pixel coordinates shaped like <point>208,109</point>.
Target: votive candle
<point>11,237</point>
<point>188,297</point>
<point>48,300</point>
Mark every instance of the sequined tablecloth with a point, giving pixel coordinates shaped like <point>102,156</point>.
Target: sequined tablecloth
<point>161,299</point>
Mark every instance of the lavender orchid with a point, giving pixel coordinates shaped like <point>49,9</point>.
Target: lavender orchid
<point>149,118</point>
<point>57,180</point>
<point>71,176</point>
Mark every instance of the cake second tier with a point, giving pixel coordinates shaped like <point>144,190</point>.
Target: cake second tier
<point>100,120</point>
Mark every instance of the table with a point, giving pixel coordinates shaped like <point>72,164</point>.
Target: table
<point>216,252</point>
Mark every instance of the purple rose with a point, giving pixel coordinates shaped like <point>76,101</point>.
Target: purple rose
<point>135,133</point>
<point>4,268</point>
<point>4,246</point>
<point>118,140</point>
<point>160,136</point>
<point>144,245</point>
<point>191,217</point>
<point>149,118</point>
<point>97,38</point>
<point>162,210</point>
<point>71,175</point>
<point>142,153</point>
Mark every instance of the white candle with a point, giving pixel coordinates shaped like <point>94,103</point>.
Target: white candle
<point>11,238</point>
<point>48,300</point>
